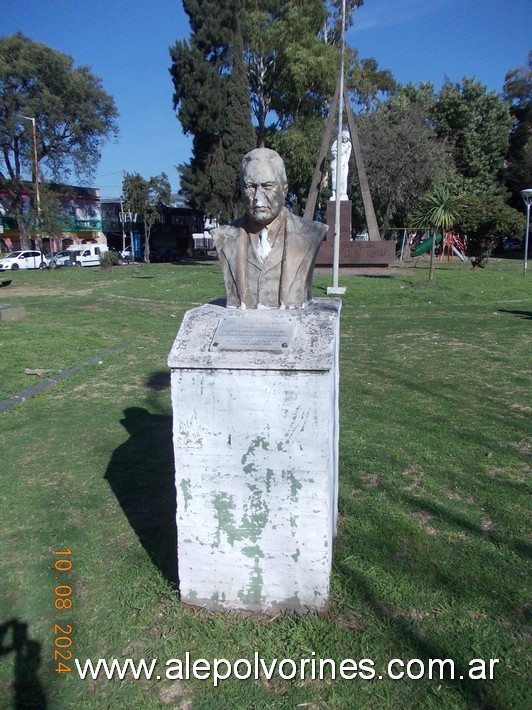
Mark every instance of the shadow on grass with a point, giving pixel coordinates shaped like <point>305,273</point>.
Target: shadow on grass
<point>392,549</point>
<point>27,689</point>
<point>159,381</point>
<point>377,276</point>
<point>441,512</point>
<point>423,648</point>
<point>522,314</point>
<point>141,475</point>
<point>195,261</point>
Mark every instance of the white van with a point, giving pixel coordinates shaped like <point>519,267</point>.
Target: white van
<point>87,254</point>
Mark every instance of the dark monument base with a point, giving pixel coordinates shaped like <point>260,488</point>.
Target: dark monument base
<point>345,220</point>
<point>352,253</point>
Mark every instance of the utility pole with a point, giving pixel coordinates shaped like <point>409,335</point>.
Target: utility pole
<point>36,180</point>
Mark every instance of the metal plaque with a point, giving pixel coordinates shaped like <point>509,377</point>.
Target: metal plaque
<point>253,333</point>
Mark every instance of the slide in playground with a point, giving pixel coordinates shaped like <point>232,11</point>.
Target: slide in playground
<point>425,245</point>
<point>459,254</point>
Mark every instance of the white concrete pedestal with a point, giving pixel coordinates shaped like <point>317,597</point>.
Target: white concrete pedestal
<point>256,455</point>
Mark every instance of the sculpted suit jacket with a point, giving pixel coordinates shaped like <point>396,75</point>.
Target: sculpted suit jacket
<point>284,278</point>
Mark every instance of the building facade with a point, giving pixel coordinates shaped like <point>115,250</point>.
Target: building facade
<point>171,236</point>
<point>78,222</point>
<point>86,218</point>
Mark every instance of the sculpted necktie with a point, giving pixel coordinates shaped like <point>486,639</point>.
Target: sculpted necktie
<point>264,246</point>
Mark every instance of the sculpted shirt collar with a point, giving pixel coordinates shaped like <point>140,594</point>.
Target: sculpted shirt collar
<point>273,228</point>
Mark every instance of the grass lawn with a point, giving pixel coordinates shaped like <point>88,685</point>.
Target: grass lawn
<point>432,555</point>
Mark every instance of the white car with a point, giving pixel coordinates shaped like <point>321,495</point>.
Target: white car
<point>62,258</point>
<point>30,259</point>
<point>86,254</point>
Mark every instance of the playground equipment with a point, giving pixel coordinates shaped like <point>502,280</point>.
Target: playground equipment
<point>425,245</point>
<point>451,245</point>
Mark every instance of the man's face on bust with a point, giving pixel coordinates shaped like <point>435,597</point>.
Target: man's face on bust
<point>263,193</point>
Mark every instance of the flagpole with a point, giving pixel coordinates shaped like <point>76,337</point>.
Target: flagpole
<point>336,245</point>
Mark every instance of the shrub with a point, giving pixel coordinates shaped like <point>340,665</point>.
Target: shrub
<point>108,259</point>
<point>479,248</point>
<point>485,219</point>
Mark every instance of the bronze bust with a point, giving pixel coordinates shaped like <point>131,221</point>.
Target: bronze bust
<point>268,255</point>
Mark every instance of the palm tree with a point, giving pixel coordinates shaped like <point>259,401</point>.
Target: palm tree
<point>438,210</point>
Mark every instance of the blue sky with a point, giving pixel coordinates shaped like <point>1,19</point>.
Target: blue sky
<point>126,44</point>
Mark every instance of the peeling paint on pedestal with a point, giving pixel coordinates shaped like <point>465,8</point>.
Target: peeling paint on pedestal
<point>256,500</point>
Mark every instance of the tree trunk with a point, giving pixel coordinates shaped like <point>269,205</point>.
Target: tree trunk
<point>386,220</point>
<point>261,128</point>
<point>147,245</point>
<point>24,232</point>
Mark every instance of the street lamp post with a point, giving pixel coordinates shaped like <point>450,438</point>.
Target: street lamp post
<point>122,226</point>
<point>527,197</point>
<point>36,180</point>
<point>35,166</point>
<point>131,218</point>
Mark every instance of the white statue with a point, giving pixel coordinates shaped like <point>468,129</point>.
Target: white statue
<point>345,154</point>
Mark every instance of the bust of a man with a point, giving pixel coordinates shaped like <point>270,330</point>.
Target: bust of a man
<point>268,255</point>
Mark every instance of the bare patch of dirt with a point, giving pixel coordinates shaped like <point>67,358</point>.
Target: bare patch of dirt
<point>371,480</point>
<point>169,693</point>
<point>351,622</point>
<point>94,307</point>
<point>454,496</point>
<point>415,473</point>
<point>134,648</point>
<point>24,289</point>
<point>524,446</point>
<point>417,615</point>
<point>520,408</point>
<point>387,611</point>
<point>424,519</point>
<point>518,475</point>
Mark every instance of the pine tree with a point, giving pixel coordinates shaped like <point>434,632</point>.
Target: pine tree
<point>286,74</point>
<point>212,98</point>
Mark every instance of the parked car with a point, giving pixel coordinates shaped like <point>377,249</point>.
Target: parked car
<point>512,244</point>
<point>29,259</point>
<point>62,258</point>
<point>164,255</point>
<point>86,254</point>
